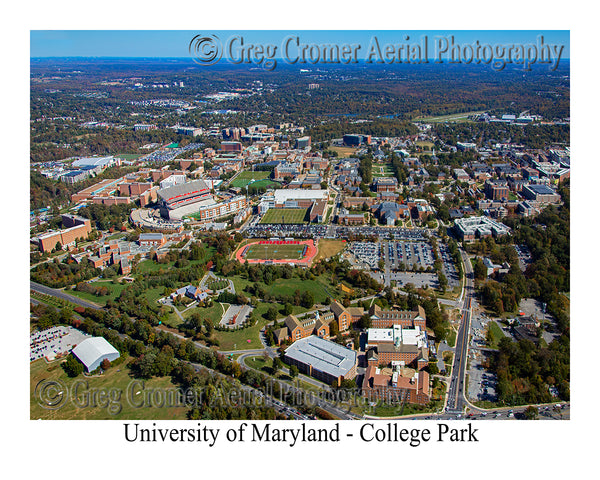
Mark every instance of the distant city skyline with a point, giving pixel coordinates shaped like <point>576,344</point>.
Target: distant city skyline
<point>175,43</point>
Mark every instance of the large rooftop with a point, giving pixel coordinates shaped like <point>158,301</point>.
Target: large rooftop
<point>323,355</point>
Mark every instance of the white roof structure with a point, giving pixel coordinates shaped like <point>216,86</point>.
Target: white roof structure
<point>323,355</point>
<point>93,350</point>
<point>93,161</point>
<point>282,195</point>
<point>397,335</point>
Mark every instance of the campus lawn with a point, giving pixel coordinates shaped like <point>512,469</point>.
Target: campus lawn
<point>238,339</point>
<point>344,152</point>
<point>288,286</point>
<point>114,291</point>
<point>285,216</point>
<point>212,313</point>
<point>116,379</point>
<point>150,266</point>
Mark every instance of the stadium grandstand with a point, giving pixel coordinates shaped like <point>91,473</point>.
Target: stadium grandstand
<point>182,195</point>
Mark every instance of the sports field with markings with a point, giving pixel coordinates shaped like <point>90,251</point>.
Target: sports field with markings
<point>285,216</point>
<point>275,252</point>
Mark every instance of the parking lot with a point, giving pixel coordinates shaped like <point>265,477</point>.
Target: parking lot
<point>366,254</point>
<point>448,266</point>
<point>235,316</point>
<point>399,255</point>
<point>54,341</point>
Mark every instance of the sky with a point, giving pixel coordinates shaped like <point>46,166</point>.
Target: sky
<point>175,43</point>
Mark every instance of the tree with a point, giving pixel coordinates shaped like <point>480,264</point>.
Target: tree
<point>443,282</point>
<point>531,413</point>
<point>271,313</point>
<point>277,364</point>
<point>365,321</point>
<point>72,366</point>
<point>294,371</point>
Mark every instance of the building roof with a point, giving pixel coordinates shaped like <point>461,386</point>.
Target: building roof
<point>282,195</point>
<point>541,189</point>
<point>92,349</point>
<point>93,161</point>
<point>323,355</point>
<point>182,189</point>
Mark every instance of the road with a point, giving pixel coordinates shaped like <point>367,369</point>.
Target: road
<point>456,393</point>
<point>62,295</point>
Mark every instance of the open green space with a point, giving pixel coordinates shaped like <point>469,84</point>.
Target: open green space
<point>114,290</point>
<point>451,338</point>
<point>212,313</point>
<point>115,236</point>
<point>285,216</point>
<point>275,252</point>
<point>116,379</point>
<point>266,182</point>
<point>495,334</point>
<point>244,178</point>
<point>289,285</point>
<point>343,152</point>
<point>238,339</point>
<point>382,170</point>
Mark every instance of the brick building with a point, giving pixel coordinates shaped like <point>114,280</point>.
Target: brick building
<point>397,386</point>
<point>388,318</point>
<point>78,228</point>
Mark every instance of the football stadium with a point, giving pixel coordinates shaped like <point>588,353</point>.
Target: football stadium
<point>277,252</point>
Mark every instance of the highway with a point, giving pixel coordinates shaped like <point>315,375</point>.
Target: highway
<point>62,295</point>
<point>456,391</point>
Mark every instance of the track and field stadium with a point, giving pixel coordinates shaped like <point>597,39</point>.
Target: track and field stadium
<point>278,252</point>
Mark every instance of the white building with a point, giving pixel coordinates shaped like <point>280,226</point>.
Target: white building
<point>93,350</point>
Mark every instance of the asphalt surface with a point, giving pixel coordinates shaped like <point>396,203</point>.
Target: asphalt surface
<point>456,392</point>
<point>62,295</point>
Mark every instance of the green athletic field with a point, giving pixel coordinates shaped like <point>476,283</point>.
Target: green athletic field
<point>274,252</point>
<point>284,215</point>
<point>244,178</point>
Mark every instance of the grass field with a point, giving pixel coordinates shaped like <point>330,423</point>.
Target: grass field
<point>266,182</point>
<point>244,178</point>
<point>382,171</point>
<point>329,248</point>
<point>113,289</point>
<point>343,152</point>
<point>118,385</point>
<point>285,216</point>
<point>274,252</point>
<point>495,333</point>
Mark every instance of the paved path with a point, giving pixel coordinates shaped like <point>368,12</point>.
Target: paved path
<point>62,295</point>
